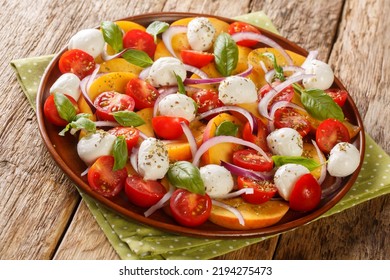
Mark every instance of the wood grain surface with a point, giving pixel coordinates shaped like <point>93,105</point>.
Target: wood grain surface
<point>42,215</point>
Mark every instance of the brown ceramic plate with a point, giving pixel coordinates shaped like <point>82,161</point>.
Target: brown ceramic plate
<point>63,150</point>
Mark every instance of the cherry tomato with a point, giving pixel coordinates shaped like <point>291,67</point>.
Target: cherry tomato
<point>206,99</point>
<point>140,40</point>
<point>190,209</point>
<point>338,95</point>
<point>263,191</point>
<point>306,194</point>
<point>51,113</point>
<point>143,193</point>
<point>196,58</point>
<point>237,27</point>
<point>251,159</point>
<point>131,135</point>
<point>286,94</point>
<point>143,93</point>
<point>260,139</point>
<point>77,62</point>
<point>289,117</point>
<point>329,133</point>
<point>168,127</point>
<point>111,101</point>
<point>103,180</point>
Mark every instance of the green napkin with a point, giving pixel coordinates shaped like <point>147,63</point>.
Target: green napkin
<point>133,240</point>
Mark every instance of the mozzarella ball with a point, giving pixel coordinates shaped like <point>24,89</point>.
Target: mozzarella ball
<point>200,34</point>
<point>286,176</point>
<point>323,78</point>
<point>217,179</point>
<point>178,105</point>
<point>344,159</point>
<point>68,84</point>
<point>237,90</point>
<point>163,70</point>
<point>153,161</point>
<point>95,145</point>
<point>285,142</point>
<point>90,41</point>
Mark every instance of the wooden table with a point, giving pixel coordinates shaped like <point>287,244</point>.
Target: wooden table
<point>42,215</point>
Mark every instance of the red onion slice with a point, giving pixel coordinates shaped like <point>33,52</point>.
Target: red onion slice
<point>270,74</point>
<point>84,92</point>
<point>134,158</point>
<point>230,209</point>
<point>85,172</point>
<point>168,35</point>
<point>190,138</point>
<point>322,162</point>
<point>312,55</point>
<point>161,202</point>
<point>237,193</point>
<point>106,124</point>
<point>331,189</point>
<point>106,56</point>
<point>216,80</point>
<point>196,71</point>
<point>239,171</point>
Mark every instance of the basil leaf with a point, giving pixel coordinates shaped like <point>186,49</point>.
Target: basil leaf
<point>79,123</point>
<point>112,35</point>
<point>309,163</point>
<point>157,27</point>
<point>64,106</point>
<point>120,153</point>
<point>226,128</point>
<point>226,54</point>
<point>137,57</point>
<point>180,84</point>
<point>128,118</point>
<point>185,175</point>
<point>279,74</point>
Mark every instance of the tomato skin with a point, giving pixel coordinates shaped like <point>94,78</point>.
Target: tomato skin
<point>263,191</point>
<point>103,180</point>
<point>140,40</point>
<point>168,127</point>
<point>143,93</point>
<point>196,58</point>
<point>260,139</point>
<point>237,27</point>
<point>329,133</point>
<point>110,101</point>
<point>77,62</point>
<point>338,95</point>
<point>286,94</point>
<point>306,194</point>
<point>289,117</point>
<point>190,209</point>
<point>143,193</point>
<point>251,159</point>
<point>51,113</point>
<point>131,135</point>
<point>206,100</point>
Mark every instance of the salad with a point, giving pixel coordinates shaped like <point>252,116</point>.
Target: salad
<point>207,120</point>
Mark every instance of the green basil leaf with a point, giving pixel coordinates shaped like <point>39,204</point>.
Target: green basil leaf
<point>64,106</point>
<point>226,54</point>
<point>112,35</point>
<point>180,84</point>
<point>157,27</point>
<point>279,74</point>
<point>137,57</point>
<point>128,118</point>
<point>81,122</point>
<point>120,153</point>
<point>185,175</point>
<point>309,163</point>
<point>226,128</point>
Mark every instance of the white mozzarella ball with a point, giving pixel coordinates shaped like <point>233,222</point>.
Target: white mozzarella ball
<point>217,179</point>
<point>200,34</point>
<point>90,41</point>
<point>286,176</point>
<point>285,142</point>
<point>177,105</point>
<point>68,84</point>
<point>237,90</point>
<point>323,78</point>
<point>344,159</point>
<point>95,145</point>
<point>163,70</point>
<point>153,161</point>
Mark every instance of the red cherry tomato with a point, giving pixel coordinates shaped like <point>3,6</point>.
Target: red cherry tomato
<point>103,180</point>
<point>237,27</point>
<point>286,94</point>
<point>263,191</point>
<point>329,133</point>
<point>77,62</point>
<point>168,127</point>
<point>260,139</point>
<point>109,102</point>
<point>306,194</point>
<point>140,40</point>
<point>196,58</point>
<point>339,96</point>
<point>289,117</point>
<point>143,93</point>
<point>190,209</point>
<point>143,193</point>
<point>206,99</point>
<point>51,113</point>
<point>131,135</point>
<point>251,159</point>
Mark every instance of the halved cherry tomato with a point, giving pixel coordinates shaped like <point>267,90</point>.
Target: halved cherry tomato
<point>237,27</point>
<point>143,93</point>
<point>196,58</point>
<point>190,209</point>
<point>77,62</point>
<point>206,99</point>
<point>338,95</point>
<point>139,40</point>
<point>260,139</point>
<point>109,102</point>
<point>103,180</point>
<point>51,113</point>
<point>131,135</point>
<point>289,117</point>
<point>306,194</point>
<point>286,94</point>
<point>251,159</point>
<point>263,191</point>
<point>168,127</point>
<point>143,193</point>
<point>329,133</point>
